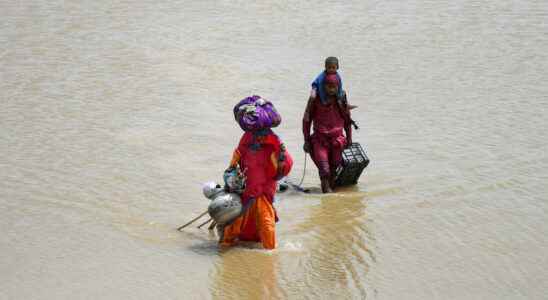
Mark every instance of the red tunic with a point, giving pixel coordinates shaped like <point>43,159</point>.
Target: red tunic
<point>259,158</point>
<point>328,140</point>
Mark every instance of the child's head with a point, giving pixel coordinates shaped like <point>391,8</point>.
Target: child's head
<point>331,65</point>
<point>331,84</point>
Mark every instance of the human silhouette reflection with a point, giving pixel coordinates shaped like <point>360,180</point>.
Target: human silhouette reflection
<point>244,273</point>
<point>338,240</point>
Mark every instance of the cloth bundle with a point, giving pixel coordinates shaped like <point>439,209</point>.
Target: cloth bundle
<point>255,113</point>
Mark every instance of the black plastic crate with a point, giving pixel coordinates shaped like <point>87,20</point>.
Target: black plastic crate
<point>354,161</point>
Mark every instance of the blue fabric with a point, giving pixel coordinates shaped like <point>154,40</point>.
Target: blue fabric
<point>318,85</point>
<point>261,132</point>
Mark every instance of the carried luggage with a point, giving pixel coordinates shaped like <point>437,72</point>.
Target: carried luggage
<point>225,205</point>
<point>354,162</point>
<point>256,113</point>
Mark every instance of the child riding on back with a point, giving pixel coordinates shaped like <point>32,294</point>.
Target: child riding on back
<point>331,67</point>
<point>328,112</point>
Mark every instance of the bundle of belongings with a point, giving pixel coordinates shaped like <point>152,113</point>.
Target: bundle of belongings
<point>255,113</point>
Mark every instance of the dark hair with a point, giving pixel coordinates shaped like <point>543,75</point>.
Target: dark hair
<point>332,60</point>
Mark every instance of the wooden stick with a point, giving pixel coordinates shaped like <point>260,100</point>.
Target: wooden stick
<point>200,226</point>
<point>193,220</point>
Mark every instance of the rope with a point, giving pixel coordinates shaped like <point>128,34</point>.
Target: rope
<point>304,171</point>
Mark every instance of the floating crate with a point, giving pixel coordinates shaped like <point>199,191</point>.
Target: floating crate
<point>354,161</point>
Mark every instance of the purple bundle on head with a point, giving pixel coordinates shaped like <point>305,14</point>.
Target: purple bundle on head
<point>255,113</point>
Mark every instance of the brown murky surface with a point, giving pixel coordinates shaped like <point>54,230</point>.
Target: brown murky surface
<point>113,113</point>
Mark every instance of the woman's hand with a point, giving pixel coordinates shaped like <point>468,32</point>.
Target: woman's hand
<point>307,147</point>
<point>348,143</point>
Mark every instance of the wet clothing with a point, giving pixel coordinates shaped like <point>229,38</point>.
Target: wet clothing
<point>332,131</point>
<point>264,160</point>
<point>257,224</point>
<point>318,87</point>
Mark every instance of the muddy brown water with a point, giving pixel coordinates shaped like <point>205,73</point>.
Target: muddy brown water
<point>113,113</point>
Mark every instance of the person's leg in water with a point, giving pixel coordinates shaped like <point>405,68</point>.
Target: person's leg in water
<point>321,159</point>
<point>335,160</point>
<point>231,231</point>
<point>266,222</point>
<point>242,228</point>
<point>258,223</point>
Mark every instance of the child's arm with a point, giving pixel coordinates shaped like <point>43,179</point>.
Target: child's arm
<point>318,81</point>
<point>313,93</point>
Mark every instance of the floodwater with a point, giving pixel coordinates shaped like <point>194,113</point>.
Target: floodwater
<point>113,113</point>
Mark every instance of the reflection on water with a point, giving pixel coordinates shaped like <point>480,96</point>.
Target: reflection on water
<point>246,274</point>
<point>327,254</point>
<point>339,244</point>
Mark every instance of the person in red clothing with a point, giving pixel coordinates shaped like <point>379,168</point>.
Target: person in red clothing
<point>332,130</point>
<point>264,160</point>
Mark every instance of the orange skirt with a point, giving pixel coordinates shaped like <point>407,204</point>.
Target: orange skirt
<point>256,224</point>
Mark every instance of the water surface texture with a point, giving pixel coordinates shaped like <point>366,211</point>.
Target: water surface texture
<point>112,114</point>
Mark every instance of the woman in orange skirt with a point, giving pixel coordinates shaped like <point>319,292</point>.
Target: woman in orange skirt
<point>264,160</point>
